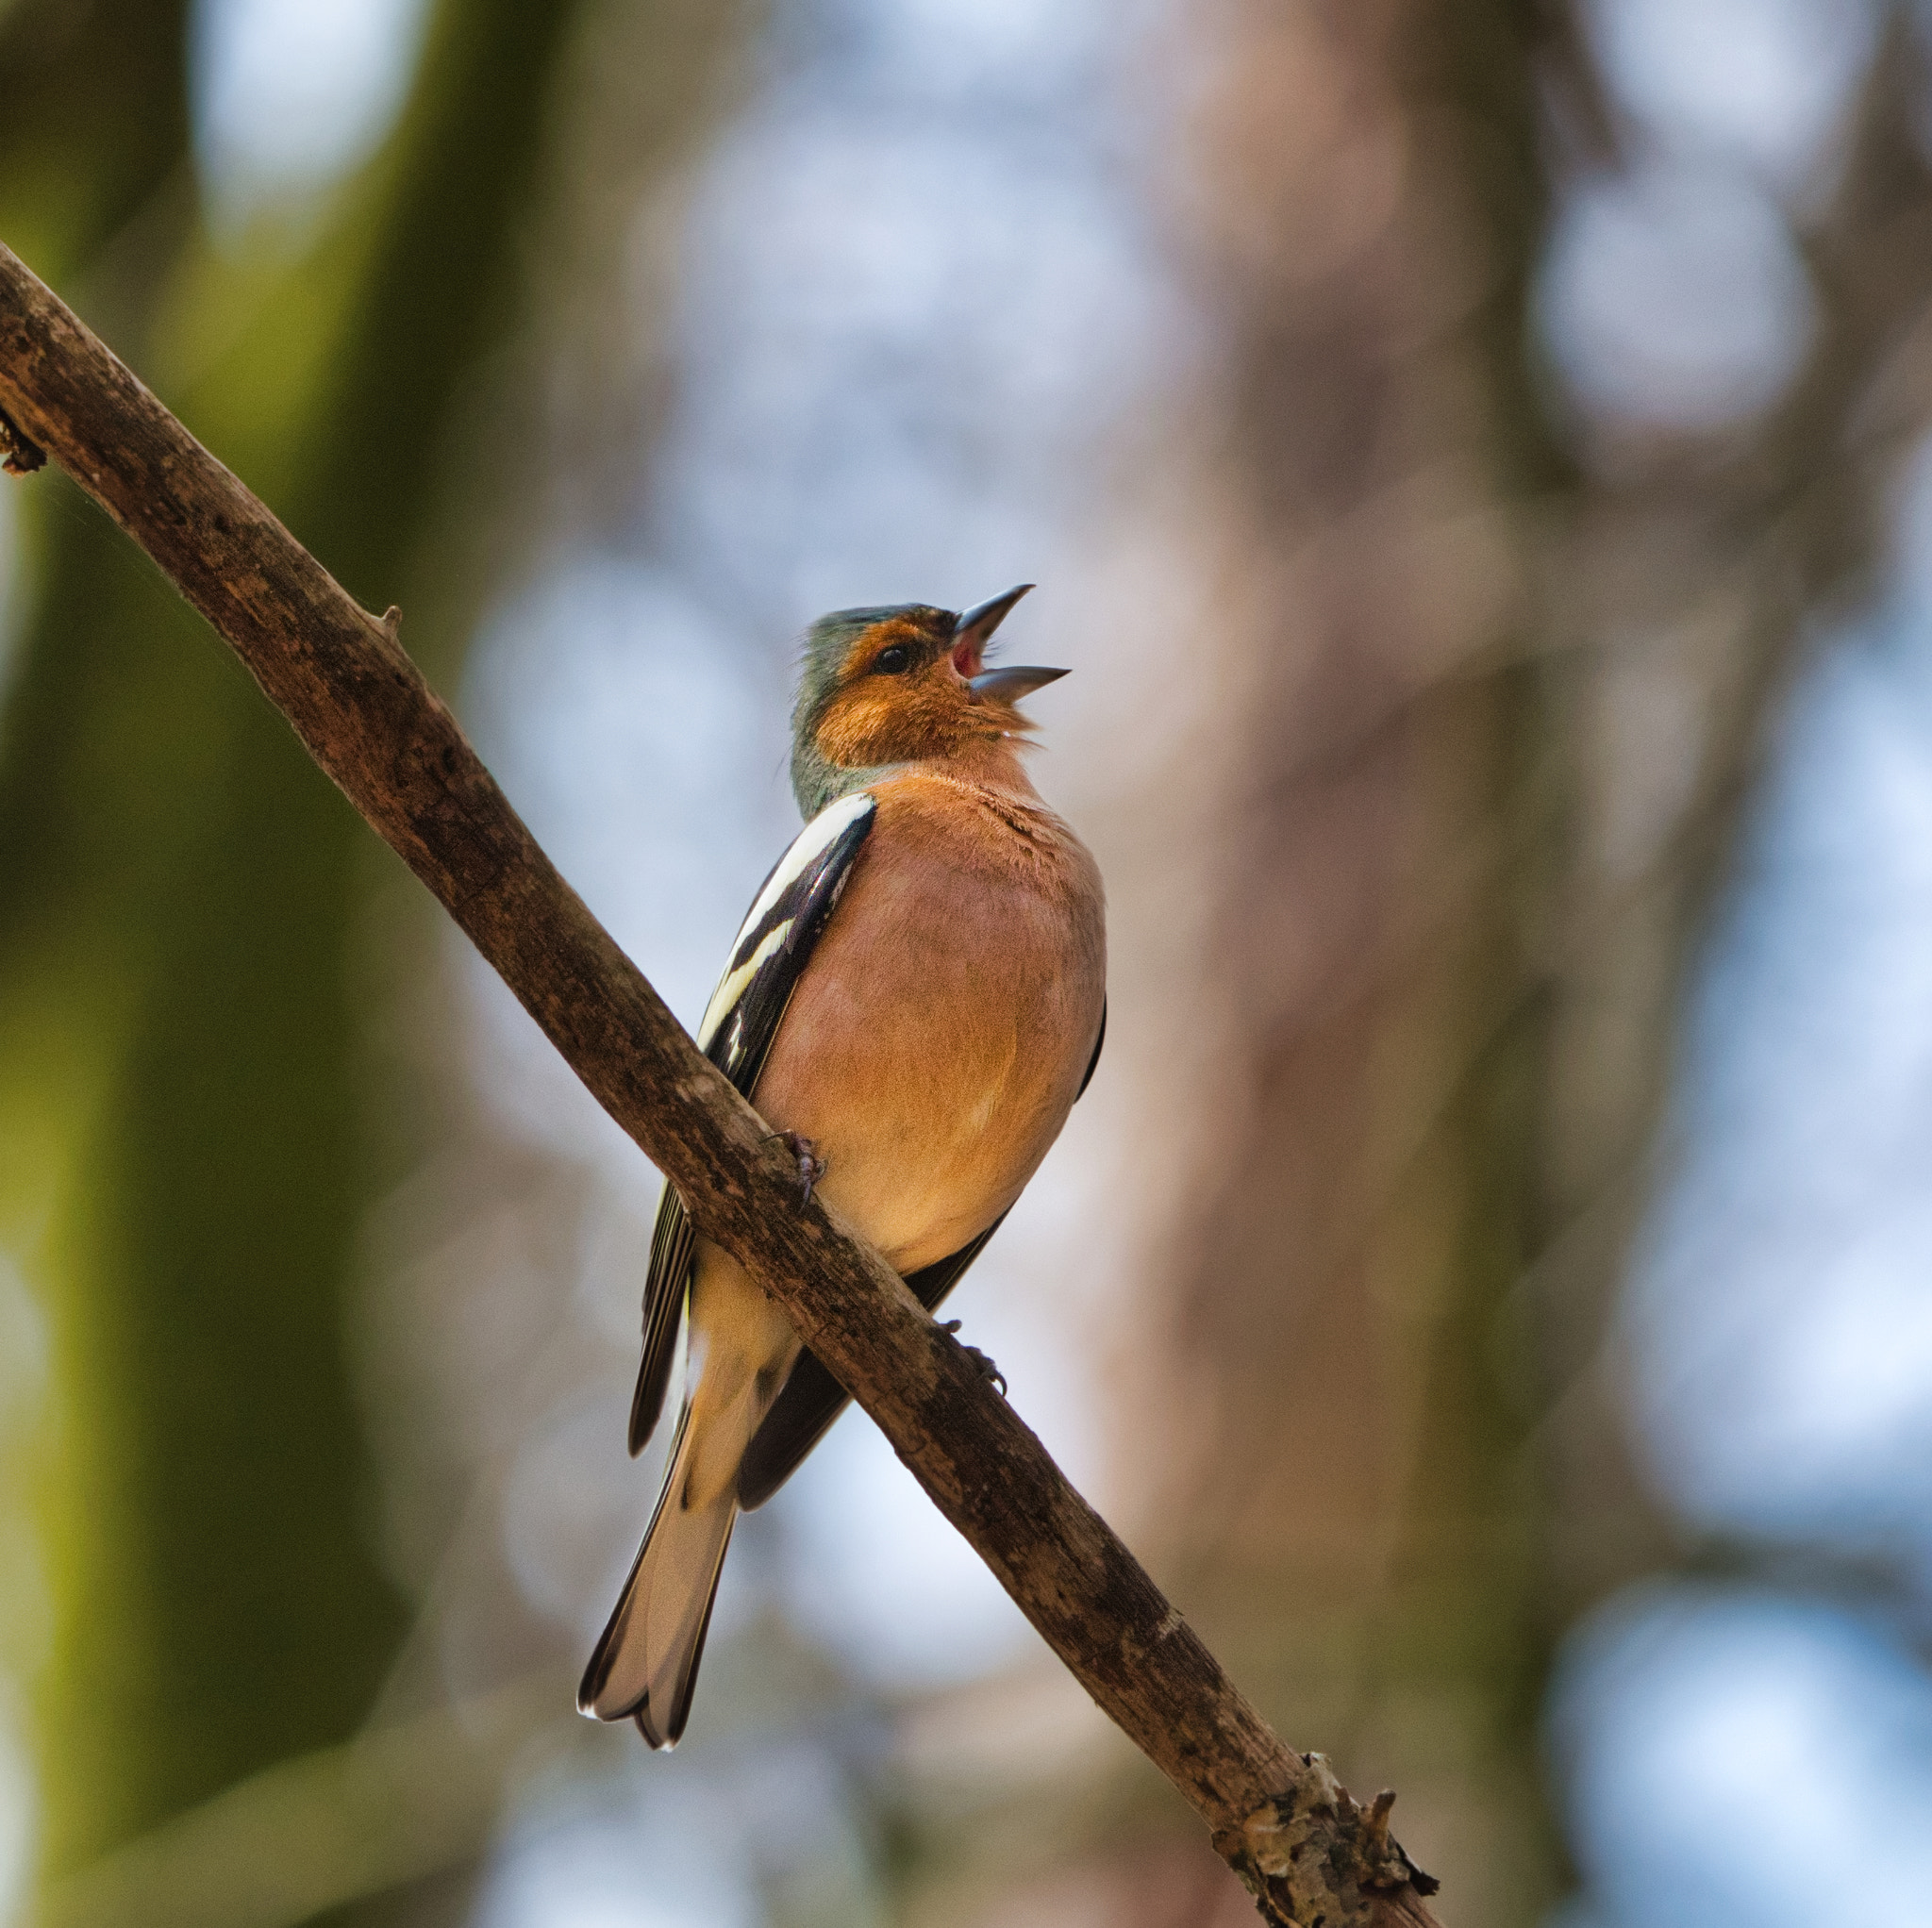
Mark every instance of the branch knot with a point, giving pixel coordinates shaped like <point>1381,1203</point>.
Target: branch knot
<point>1296,1853</point>
<point>24,455</point>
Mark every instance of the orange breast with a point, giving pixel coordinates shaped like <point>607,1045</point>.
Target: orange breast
<point>937,1040</point>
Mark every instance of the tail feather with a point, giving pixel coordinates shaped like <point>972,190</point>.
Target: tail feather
<point>646,1663</point>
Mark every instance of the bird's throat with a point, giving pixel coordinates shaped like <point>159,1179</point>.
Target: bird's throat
<point>989,762</point>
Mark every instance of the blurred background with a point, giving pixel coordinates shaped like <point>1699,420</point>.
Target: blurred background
<point>1477,460</point>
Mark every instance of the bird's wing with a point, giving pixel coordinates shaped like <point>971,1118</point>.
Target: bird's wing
<point>1094,1062</point>
<point>774,945</point>
<point>813,1398</point>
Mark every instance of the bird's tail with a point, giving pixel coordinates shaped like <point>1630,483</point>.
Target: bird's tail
<point>646,1663</point>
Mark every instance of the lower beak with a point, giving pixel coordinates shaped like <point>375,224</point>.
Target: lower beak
<point>1010,682</point>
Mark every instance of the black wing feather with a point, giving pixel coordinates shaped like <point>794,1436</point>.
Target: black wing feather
<point>813,1398</point>
<point>1094,1062</point>
<point>787,916</point>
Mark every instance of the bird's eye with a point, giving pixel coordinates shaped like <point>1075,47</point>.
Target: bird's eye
<point>894,660</point>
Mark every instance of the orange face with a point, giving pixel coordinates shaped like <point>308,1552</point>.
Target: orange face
<point>905,694</point>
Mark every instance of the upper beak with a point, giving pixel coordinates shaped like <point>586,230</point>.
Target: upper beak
<point>973,630</point>
<point>972,633</point>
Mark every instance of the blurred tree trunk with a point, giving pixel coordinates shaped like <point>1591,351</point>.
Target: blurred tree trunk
<point>1348,1504</point>
<point>184,1160</point>
<point>1378,1432</point>
<point>94,137</point>
<point>1699,575</point>
<point>1329,1413</point>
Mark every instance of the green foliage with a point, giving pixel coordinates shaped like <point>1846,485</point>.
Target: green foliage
<point>95,127</point>
<point>182,1167</point>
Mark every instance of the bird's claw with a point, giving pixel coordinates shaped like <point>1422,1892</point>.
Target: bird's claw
<point>987,1369</point>
<point>812,1168</point>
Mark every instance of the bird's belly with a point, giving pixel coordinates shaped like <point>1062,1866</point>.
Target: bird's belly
<point>931,1053</point>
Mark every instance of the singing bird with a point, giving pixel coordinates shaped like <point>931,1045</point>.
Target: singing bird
<point>915,1001</point>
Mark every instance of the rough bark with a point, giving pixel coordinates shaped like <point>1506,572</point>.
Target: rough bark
<point>364,712</point>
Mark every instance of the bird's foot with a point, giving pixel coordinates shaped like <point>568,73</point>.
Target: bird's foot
<point>987,1369</point>
<point>812,1168</point>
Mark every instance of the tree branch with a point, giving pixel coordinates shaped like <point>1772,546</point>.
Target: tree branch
<point>1304,1848</point>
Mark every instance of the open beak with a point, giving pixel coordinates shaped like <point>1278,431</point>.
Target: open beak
<point>971,635</point>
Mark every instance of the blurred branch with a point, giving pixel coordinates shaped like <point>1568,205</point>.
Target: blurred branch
<point>363,710</point>
<point>1705,569</point>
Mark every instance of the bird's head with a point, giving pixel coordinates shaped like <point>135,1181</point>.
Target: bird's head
<point>900,685</point>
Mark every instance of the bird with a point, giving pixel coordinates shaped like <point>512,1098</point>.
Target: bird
<point>915,1001</point>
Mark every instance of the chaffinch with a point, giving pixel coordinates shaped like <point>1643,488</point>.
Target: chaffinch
<point>915,1001</point>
